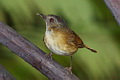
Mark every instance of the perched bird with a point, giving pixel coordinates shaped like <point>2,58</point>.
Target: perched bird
<point>60,39</point>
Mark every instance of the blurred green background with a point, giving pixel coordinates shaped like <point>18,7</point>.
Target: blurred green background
<point>90,19</point>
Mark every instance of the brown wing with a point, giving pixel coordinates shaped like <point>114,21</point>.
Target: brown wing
<point>74,39</point>
<point>80,43</point>
<point>78,40</point>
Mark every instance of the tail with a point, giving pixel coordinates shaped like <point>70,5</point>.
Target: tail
<point>90,49</point>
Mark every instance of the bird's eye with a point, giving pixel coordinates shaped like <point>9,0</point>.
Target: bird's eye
<point>51,20</point>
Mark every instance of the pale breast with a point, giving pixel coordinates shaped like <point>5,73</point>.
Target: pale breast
<point>58,43</point>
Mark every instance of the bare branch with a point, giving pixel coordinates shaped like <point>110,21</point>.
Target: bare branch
<point>114,6</point>
<point>33,55</point>
<point>5,75</point>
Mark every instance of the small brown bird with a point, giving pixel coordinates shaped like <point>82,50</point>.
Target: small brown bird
<point>60,39</point>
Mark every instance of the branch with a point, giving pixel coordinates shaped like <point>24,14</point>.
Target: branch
<point>5,75</point>
<point>33,55</point>
<point>114,6</point>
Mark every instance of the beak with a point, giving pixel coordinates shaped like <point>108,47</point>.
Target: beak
<point>41,15</point>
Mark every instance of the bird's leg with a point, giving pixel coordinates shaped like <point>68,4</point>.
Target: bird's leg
<point>70,68</point>
<point>49,55</point>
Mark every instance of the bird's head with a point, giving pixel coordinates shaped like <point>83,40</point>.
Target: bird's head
<point>52,20</point>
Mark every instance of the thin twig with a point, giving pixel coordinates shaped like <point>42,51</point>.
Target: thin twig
<point>5,75</point>
<point>114,6</point>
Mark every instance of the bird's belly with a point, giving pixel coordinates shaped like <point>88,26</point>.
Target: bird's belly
<point>57,46</point>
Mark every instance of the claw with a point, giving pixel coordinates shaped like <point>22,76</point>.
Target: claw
<point>69,69</point>
<point>49,55</point>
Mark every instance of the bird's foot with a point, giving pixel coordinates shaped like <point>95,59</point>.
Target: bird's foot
<point>69,69</point>
<point>49,55</point>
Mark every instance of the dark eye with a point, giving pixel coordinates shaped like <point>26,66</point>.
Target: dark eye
<point>51,20</point>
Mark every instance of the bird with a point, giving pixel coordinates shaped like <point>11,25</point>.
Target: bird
<point>60,39</point>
